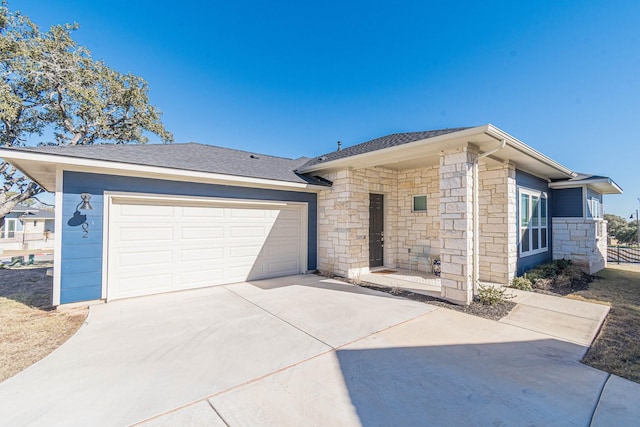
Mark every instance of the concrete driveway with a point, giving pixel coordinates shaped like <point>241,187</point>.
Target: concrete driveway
<point>308,351</point>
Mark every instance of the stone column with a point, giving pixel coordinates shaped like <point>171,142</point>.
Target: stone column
<point>343,212</point>
<point>456,224</point>
<point>498,223</point>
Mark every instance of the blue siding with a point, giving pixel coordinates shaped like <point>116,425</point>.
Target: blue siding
<point>567,203</point>
<point>81,275</point>
<point>529,181</point>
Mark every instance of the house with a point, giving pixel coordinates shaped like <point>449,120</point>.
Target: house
<point>180,216</point>
<point>27,227</point>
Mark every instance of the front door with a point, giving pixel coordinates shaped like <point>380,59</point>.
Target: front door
<point>376,230</point>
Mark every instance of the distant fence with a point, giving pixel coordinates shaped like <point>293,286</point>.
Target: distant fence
<point>19,236</point>
<point>623,254</point>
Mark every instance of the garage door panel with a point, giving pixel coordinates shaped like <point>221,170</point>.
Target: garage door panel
<point>206,277</point>
<point>283,231</point>
<point>239,272</point>
<point>138,284</point>
<point>202,233</point>
<point>143,211</point>
<point>147,234</point>
<point>250,251</point>
<point>293,214</point>
<point>247,213</point>
<point>202,253</point>
<point>199,246</point>
<point>137,258</point>
<point>285,266</point>
<point>246,231</point>
<point>199,212</point>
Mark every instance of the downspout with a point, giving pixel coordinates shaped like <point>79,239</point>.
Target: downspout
<point>476,215</point>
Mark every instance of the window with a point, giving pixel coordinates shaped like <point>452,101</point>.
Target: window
<point>594,208</point>
<point>9,229</point>
<point>533,222</point>
<point>419,203</point>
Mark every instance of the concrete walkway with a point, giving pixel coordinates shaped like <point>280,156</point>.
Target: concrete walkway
<point>307,351</point>
<point>563,318</point>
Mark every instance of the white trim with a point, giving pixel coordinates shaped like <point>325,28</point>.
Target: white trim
<point>111,197</point>
<point>584,202</point>
<point>4,231</point>
<point>613,187</point>
<point>74,164</point>
<point>589,207</point>
<point>170,199</point>
<point>57,253</point>
<point>106,206</point>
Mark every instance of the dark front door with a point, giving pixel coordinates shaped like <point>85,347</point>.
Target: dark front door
<point>376,229</point>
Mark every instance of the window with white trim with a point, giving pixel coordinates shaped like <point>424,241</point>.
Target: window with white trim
<point>8,230</point>
<point>533,222</point>
<point>594,207</point>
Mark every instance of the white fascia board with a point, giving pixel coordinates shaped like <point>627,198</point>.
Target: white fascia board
<point>613,188</point>
<point>57,253</point>
<point>77,164</point>
<point>525,149</point>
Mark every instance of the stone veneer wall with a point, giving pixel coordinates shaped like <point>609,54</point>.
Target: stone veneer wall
<point>343,220</point>
<point>583,241</point>
<point>498,223</point>
<point>418,228</point>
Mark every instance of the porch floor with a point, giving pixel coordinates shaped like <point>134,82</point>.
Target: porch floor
<point>409,280</point>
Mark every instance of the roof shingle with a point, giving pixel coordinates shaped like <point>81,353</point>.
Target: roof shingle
<point>191,157</point>
<point>379,144</point>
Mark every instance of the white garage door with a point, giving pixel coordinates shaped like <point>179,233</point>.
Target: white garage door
<point>159,247</point>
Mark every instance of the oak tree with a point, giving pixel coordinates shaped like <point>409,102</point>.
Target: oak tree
<point>53,92</point>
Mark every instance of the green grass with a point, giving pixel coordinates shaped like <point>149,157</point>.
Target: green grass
<point>617,347</point>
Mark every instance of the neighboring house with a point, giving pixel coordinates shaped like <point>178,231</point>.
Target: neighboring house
<point>180,216</point>
<point>26,227</point>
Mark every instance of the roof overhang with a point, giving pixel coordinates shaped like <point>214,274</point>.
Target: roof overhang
<point>426,152</point>
<point>602,185</point>
<point>43,169</point>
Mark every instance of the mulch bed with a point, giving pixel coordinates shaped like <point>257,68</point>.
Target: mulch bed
<point>492,312</point>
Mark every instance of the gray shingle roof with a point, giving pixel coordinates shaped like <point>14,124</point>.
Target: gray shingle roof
<point>38,214</point>
<point>191,157</point>
<point>32,211</point>
<point>379,144</point>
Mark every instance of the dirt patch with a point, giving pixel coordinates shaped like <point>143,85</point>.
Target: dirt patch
<point>29,328</point>
<point>492,312</point>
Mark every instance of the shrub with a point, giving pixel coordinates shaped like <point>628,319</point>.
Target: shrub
<point>522,283</point>
<point>541,275</point>
<point>559,276</point>
<point>489,295</point>
<point>563,264</point>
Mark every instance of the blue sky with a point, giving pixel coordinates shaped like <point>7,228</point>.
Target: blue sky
<point>291,78</point>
